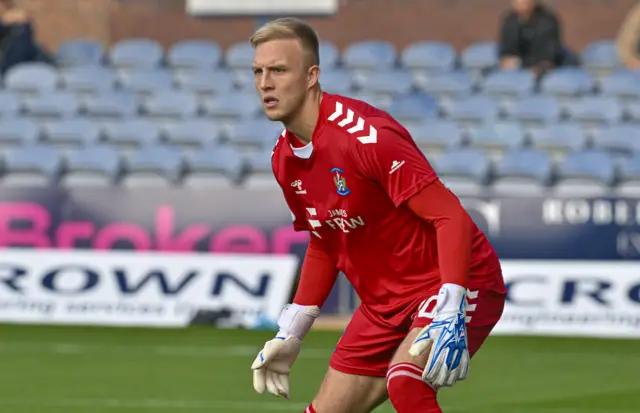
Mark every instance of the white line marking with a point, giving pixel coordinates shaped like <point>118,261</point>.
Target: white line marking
<point>71,349</point>
<point>163,404</point>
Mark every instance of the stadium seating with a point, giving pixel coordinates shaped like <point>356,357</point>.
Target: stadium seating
<point>139,114</point>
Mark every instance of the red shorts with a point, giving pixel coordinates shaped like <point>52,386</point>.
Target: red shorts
<point>367,345</point>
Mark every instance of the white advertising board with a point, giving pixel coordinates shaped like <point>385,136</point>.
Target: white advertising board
<point>139,288</point>
<point>261,7</point>
<point>571,298</point>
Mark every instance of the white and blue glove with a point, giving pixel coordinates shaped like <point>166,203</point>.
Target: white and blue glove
<point>272,365</point>
<point>446,337</point>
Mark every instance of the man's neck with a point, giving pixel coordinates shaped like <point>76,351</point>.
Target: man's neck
<point>304,123</point>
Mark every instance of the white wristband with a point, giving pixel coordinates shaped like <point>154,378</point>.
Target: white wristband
<point>451,298</point>
<point>296,320</point>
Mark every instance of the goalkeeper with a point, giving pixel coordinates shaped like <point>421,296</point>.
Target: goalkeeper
<point>430,283</point>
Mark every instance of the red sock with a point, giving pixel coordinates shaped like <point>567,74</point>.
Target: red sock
<point>408,393</point>
<point>310,409</point>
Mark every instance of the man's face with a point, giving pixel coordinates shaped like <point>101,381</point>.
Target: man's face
<point>524,7</point>
<point>281,77</point>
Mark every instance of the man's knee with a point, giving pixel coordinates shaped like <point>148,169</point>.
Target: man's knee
<point>348,393</point>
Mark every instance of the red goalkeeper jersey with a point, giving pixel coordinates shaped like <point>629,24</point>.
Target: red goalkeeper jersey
<point>348,187</point>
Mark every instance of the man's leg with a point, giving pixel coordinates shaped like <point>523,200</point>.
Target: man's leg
<point>349,393</point>
<point>407,391</point>
<point>355,381</point>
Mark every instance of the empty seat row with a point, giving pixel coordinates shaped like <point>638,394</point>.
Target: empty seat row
<point>134,132</point>
<point>202,53</point>
<point>562,83</point>
<point>461,169</point>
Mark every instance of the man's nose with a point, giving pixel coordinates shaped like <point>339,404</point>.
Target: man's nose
<point>265,82</point>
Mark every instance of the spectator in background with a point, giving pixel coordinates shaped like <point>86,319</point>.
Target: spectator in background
<point>17,40</point>
<point>530,38</point>
<point>628,41</point>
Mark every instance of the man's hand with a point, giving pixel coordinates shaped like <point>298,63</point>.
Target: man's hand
<point>272,365</point>
<point>449,356</point>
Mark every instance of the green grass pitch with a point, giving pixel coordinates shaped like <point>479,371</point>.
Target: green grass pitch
<point>54,369</point>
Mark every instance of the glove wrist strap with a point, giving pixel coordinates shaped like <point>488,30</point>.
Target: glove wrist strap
<point>451,298</point>
<point>296,320</point>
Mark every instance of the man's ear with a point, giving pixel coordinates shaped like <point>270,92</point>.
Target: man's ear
<point>313,76</point>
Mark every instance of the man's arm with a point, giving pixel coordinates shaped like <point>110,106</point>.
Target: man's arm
<point>438,206</point>
<point>549,46</point>
<point>317,277</point>
<point>628,37</point>
<point>416,184</point>
<point>508,44</point>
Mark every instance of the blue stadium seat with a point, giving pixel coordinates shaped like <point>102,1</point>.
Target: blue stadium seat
<point>88,80</point>
<point>31,78</point>
<point>558,139</point>
<point>92,166</point>
<point>474,110</point>
<point>145,82</point>
<point>32,165</point>
<point>206,82</point>
<point>388,82</point>
<point>80,52</point>
<point>153,166</point>
<point>239,56</point>
<point>136,53</point>
<point>632,112</point>
<point>448,86</point>
<point>629,176</point>
<point>464,171</point>
<point>194,54</point>
<point>236,106</point>
<point>413,108</point>
<point>9,104</point>
<point>595,111</point>
<point>370,54</point>
<point>191,133</point>
<point>429,56</point>
<point>621,139</point>
<point>214,166</point>
<point>536,110</point>
<point>72,133</point>
<point>624,85</point>
<point>436,135</point>
<point>336,81</point>
<point>329,55</point>
<point>590,172</point>
<point>498,136</point>
<point>18,131</point>
<point>132,133</point>
<point>600,57</point>
<point>171,105</point>
<point>257,134</point>
<point>479,57</point>
<point>111,105</point>
<point>509,84</point>
<point>526,171</point>
<point>260,172</point>
<point>567,83</point>
<point>52,106</point>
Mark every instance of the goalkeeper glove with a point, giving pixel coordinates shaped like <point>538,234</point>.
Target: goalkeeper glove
<point>273,363</point>
<point>449,356</point>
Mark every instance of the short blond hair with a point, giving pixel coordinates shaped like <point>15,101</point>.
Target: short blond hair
<point>290,28</point>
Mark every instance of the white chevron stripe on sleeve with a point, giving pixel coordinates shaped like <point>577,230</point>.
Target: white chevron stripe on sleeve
<point>358,127</point>
<point>344,122</point>
<point>337,113</point>
<point>372,138</point>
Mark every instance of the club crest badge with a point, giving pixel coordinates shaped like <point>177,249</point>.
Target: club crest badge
<point>341,183</point>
